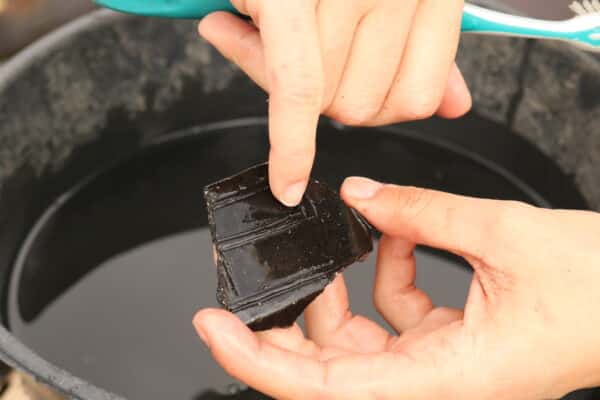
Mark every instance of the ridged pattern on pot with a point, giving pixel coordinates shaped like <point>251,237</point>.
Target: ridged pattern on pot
<point>491,66</point>
<point>560,112</point>
<point>549,93</point>
<point>70,93</point>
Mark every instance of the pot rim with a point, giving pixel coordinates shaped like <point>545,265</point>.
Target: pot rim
<point>12,351</point>
<point>55,39</point>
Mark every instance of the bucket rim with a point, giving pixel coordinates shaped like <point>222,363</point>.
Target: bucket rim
<point>55,39</point>
<point>12,351</point>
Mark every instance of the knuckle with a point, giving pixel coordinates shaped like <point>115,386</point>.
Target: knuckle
<point>386,299</point>
<point>388,109</point>
<point>420,101</point>
<point>422,107</point>
<point>404,205</point>
<point>506,224</point>
<point>355,115</point>
<point>454,222</point>
<point>412,201</point>
<point>509,215</point>
<point>304,93</point>
<point>297,86</point>
<point>296,153</point>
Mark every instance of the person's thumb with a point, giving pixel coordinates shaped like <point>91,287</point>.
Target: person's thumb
<point>466,226</point>
<point>265,367</point>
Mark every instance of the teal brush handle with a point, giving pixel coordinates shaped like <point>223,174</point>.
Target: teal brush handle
<point>583,30</point>
<point>184,9</point>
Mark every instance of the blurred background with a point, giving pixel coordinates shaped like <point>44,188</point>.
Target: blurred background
<point>22,21</point>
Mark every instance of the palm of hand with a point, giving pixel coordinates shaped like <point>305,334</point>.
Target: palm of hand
<point>343,344</point>
<point>339,345</point>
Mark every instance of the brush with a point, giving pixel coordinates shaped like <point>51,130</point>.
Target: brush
<point>583,30</point>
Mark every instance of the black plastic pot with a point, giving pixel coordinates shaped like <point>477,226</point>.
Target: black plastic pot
<point>145,111</point>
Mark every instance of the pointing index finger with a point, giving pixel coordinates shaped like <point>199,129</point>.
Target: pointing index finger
<point>295,80</point>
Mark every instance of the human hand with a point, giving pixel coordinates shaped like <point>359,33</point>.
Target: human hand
<point>529,329</point>
<point>361,62</point>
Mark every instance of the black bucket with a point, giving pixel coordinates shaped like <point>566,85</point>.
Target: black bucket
<point>110,127</point>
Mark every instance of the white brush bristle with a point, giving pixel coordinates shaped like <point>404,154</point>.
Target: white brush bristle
<point>585,7</point>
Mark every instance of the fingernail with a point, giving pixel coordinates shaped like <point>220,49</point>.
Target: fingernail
<point>361,188</point>
<point>293,194</point>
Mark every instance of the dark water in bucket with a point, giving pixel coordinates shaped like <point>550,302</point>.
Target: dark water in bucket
<point>109,279</point>
<point>126,326</point>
